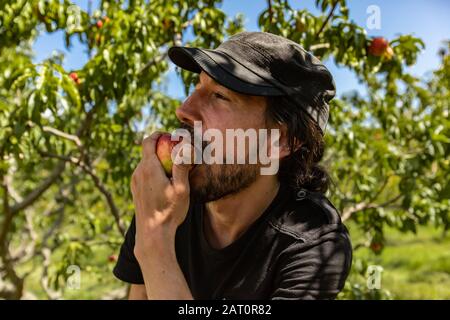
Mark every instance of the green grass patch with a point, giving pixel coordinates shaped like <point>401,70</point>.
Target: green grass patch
<point>415,266</point>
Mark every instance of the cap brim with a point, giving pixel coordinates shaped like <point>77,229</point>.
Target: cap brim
<point>223,69</point>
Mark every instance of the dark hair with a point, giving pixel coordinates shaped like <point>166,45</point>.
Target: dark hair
<point>300,169</point>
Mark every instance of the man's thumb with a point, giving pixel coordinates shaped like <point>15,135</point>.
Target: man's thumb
<point>182,165</point>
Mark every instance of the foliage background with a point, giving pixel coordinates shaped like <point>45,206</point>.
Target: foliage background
<point>68,145</point>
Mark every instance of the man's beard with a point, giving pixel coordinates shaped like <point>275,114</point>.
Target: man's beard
<point>218,181</point>
<point>212,182</point>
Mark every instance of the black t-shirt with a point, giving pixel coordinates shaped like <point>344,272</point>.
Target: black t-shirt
<point>297,249</point>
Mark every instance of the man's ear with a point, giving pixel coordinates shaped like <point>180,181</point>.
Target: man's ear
<point>284,148</point>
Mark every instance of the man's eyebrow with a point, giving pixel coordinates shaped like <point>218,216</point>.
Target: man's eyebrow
<point>228,92</point>
<point>214,83</point>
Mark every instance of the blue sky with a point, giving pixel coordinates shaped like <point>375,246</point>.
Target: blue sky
<point>428,20</point>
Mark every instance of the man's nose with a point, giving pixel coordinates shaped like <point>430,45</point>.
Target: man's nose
<point>188,112</point>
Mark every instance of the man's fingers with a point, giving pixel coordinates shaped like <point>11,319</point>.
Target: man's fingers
<point>180,169</point>
<point>150,164</point>
<point>149,145</point>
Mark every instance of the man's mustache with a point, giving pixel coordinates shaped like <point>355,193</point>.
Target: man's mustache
<point>190,129</point>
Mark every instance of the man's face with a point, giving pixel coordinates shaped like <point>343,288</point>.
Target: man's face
<point>220,108</point>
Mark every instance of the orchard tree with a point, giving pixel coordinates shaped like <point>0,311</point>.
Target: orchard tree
<point>69,139</point>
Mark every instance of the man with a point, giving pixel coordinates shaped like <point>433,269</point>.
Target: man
<point>225,231</point>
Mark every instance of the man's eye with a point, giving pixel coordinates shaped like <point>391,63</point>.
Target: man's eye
<point>220,96</point>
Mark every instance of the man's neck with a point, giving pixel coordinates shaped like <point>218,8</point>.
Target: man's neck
<point>228,218</point>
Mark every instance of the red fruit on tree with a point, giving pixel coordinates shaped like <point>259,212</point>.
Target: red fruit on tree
<point>112,258</point>
<point>99,23</point>
<point>378,46</point>
<point>376,247</point>
<point>74,77</point>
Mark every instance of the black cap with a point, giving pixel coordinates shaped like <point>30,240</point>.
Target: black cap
<point>264,64</point>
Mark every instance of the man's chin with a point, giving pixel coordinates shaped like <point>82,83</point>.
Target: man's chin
<point>201,184</point>
<point>212,182</point>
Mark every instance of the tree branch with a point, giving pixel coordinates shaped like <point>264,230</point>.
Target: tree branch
<point>327,19</point>
<point>269,5</point>
<point>36,193</point>
<point>109,199</point>
<point>46,256</point>
<point>27,249</point>
<point>61,134</point>
<point>318,46</point>
<point>377,194</point>
<point>7,217</point>
<point>153,61</point>
<point>364,205</point>
<point>98,184</point>
<point>7,265</point>
<point>39,190</point>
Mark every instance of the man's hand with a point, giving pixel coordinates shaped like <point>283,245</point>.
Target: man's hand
<point>161,205</point>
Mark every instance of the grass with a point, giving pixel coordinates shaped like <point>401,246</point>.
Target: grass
<point>93,284</point>
<point>414,266</point>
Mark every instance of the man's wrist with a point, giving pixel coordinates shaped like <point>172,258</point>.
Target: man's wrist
<point>154,242</point>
